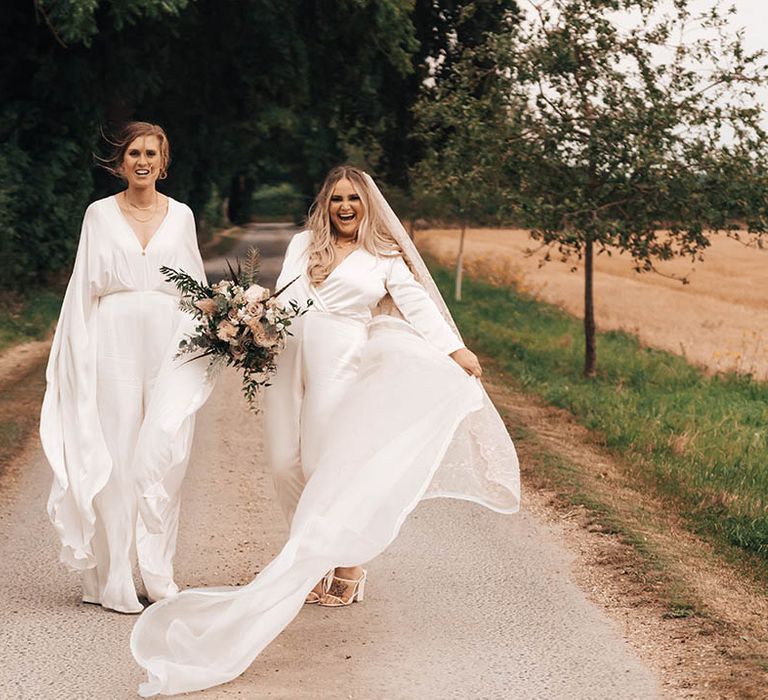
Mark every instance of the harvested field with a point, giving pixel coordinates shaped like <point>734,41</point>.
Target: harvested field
<point>719,320</point>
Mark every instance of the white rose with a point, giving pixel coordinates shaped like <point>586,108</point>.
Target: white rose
<point>256,293</point>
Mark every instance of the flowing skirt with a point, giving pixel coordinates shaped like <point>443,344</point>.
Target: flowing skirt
<point>135,333</point>
<point>388,436</point>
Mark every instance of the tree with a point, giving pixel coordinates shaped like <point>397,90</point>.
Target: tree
<point>459,122</point>
<point>49,120</point>
<point>644,138</point>
<point>443,31</point>
<point>250,92</point>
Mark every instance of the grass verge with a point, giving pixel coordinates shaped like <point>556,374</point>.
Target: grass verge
<point>28,316</point>
<point>19,411</point>
<point>698,440</point>
<point>700,622</point>
<point>222,242</point>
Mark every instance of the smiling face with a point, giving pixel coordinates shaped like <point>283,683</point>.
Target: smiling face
<point>346,209</point>
<point>142,162</point>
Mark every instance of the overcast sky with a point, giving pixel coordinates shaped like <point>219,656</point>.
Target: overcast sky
<point>752,15</point>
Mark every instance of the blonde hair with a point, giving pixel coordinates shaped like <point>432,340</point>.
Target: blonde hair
<point>127,135</point>
<point>372,235</point>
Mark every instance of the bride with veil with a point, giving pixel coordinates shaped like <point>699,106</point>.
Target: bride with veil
<point>375,405</point>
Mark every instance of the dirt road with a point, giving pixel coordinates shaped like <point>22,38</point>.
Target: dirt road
<point>465,604</point>
<point>719,320</point>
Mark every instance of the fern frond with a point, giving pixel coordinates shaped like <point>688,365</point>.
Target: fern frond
<point>251,266</point>
<point>184,282</point>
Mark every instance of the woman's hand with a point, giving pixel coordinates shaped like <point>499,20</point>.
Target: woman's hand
<point>468,361</point>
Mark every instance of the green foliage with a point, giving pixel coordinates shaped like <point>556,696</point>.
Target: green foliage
<point>251,93</point>
<point>444,31</point>
<point>185,283</point>
<point>698,439</point>
<point>611,138</point>
<point>49,127</point>
<point>280,202</point>
<point>75,21</point>
<point>212,215</point>
<point>621,134</point>
<point>459,123</point>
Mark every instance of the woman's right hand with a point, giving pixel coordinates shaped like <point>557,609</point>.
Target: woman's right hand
<point>468,361</point>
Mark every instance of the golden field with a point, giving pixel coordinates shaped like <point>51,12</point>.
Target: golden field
<point>719,320</point>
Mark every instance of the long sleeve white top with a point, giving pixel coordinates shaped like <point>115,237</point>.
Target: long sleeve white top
<point>356,286</point>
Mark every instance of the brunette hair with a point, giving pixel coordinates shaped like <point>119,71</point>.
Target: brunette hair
<point>371,235</point>
<point>125,137</point>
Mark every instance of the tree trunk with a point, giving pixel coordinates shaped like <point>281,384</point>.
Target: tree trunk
<point>240,205</point>
<point>460,262</point>
<point>590,348</point>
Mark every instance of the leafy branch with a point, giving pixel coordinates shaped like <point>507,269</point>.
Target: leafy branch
<point>185,283</point>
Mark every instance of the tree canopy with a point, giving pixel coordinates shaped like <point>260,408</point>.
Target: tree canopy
<point>251,92</point>
<point>642,137</point>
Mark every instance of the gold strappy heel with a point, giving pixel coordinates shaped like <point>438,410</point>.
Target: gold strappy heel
<point>344,591</point>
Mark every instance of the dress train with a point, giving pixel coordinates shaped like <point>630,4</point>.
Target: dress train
<point>397,422</point>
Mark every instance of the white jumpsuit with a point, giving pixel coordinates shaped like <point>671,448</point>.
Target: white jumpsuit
<point>322,358</point>
<point>374,416</point>
<point>119,324</point>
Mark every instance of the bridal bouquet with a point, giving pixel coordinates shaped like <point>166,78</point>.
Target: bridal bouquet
<point>241,324</point>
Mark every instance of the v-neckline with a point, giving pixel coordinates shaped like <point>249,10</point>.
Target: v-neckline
<point>346,257</point>
<point>143,248</point>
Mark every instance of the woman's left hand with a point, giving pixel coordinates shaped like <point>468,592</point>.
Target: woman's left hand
<point>468,361</point>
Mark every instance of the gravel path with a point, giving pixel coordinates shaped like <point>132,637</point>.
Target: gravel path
<point>465,604</point>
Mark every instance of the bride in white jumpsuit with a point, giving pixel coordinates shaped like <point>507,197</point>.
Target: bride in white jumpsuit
<point>115,341</point>
<point>366,415</point>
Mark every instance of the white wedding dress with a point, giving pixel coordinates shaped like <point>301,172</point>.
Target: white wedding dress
<point>111,366</point>
<point>367,415</point>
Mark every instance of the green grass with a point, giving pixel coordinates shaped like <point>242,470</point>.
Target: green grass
<point>222,246</point>
<point>648,564</point>
<point>698,439</point>
<point>29,316</point>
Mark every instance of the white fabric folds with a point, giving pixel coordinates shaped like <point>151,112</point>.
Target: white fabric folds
<point>70,429</point>
<point>408,423</point>
<point>165,440</point>
<point>118,413</point>
<point>353,506</point>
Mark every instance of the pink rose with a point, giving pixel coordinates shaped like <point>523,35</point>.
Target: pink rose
<point>263,336</point>
<point>256,293</point>
<point>255,309</point>
<point>226,331</point>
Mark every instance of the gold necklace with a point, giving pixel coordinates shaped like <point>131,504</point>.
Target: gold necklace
<point>344,244</point>
<point>136,218</point>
